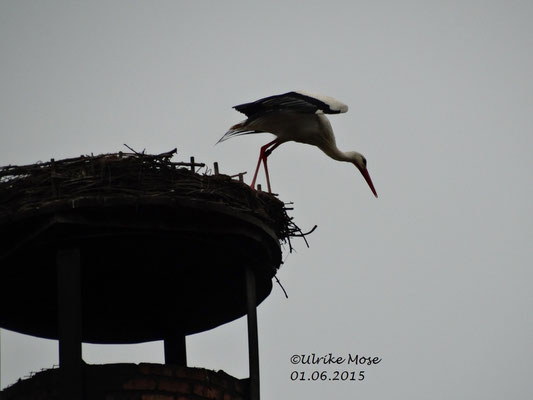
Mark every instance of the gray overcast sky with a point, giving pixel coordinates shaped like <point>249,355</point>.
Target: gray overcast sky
<point>434,277</point>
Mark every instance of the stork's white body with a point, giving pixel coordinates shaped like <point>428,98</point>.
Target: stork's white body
<point>313,129</point>
<point>298,117</point>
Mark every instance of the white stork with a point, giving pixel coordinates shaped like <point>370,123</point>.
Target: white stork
<point>299,117</point>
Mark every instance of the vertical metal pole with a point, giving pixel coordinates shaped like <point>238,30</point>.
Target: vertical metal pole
<point>0,359</point>
<point>69,323</point>
<point>175,349</point>
<point>253,342</point>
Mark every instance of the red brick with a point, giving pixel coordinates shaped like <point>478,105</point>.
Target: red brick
<point>174,386</point>
<point>157,397</point>
<point>198,374</point>
<point>155,369</point>
<point>223,380</point>
<point>242,386</point>
<point>123,396</point>
<point>140,384</point>
<point>214,392</point>
<point>227,396</point>
<point>198,390</point>
<point>208,392</point>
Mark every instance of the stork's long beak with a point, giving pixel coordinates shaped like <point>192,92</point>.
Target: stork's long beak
<point>365,173</point>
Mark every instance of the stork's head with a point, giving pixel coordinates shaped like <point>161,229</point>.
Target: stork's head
<point>360,162</point>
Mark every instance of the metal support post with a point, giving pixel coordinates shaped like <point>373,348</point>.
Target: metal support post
<point>69,323</point>
<point>253,342</point>
<point>175,349</point>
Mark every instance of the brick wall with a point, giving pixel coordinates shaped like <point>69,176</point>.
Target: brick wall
<point>135,382</point>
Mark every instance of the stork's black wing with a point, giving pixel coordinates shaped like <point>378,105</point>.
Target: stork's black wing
<point>300,102</point>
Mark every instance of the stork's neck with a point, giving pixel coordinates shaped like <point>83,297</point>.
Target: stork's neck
<point>333,151</point>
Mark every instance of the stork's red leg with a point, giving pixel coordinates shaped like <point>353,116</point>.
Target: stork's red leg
<point>268,151</point>
<point>257,170</point>
<point>262,157</point>
<point>266,174</point>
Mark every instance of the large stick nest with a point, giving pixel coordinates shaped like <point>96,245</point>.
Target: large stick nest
<point>25,189</point>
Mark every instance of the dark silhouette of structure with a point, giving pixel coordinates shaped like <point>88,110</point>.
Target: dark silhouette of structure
<point>126,248</point>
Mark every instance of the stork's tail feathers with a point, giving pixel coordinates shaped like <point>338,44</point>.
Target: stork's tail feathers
<point>236,130</point>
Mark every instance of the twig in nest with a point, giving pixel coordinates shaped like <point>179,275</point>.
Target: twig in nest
<point>290,244</point>
<point>306,233</point>
<point>136,152</point>
<point>167,154</point>
<point>303,235</point>
<point>281,286</point>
